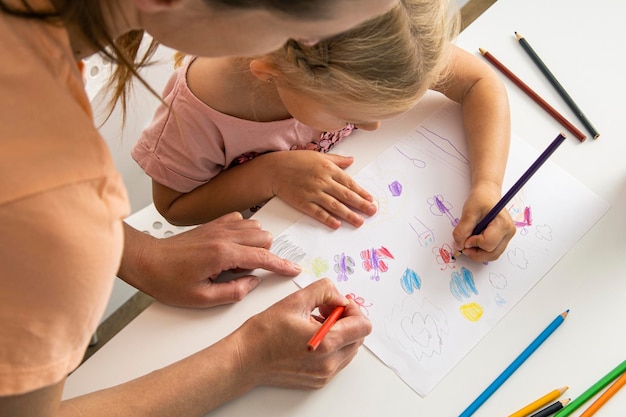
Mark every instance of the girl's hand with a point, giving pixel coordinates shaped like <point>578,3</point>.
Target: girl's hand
<point>316,184</point>
<point>491,243</point>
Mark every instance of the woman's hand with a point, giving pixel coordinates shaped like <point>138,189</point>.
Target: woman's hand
<point>273,344</point>
<point>180,270</point>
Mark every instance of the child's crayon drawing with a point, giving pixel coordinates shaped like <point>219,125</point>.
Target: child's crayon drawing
<point>395,188</point>
<point>462,285</point>
<point>344,266</point>
<point>472,311</point>
<point>417,163</point>
<point>420,328</point>
<point>444,145</point>
<point>444,256</point>
<point>428,310</point>
<point>440,207</point>
<point>374,260</point>
<point>410,281</point>
<point>517,257</point>
<point>360,301</point>
<point>318,266</point>
<point>544,232</point>
<point>497,281</point>
<point>425,235</point>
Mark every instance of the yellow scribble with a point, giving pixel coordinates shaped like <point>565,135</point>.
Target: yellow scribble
<point>472,311</point>
<point>319,267</point>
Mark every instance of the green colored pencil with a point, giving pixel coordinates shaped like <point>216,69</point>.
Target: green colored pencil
<point>593,390</point>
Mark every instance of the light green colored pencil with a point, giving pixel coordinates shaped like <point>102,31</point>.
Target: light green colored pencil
<point>593,390</point>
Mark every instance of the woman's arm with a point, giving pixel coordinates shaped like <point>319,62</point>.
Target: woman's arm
<point>486,122</point>
<point>268,349</point>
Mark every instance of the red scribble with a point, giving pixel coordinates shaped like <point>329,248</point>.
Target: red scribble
<point>373,261</point>
<point>360,301</point>
<point>444,256</point>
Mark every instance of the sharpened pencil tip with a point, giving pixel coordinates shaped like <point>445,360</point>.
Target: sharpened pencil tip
<point>482,51</point>
<point>518,36</point>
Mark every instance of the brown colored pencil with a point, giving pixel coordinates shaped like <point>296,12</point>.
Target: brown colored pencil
<point>532,94</point>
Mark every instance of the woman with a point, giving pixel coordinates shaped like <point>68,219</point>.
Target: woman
<point>62,205</point>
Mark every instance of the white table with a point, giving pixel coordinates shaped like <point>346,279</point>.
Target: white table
<point>581,43</point>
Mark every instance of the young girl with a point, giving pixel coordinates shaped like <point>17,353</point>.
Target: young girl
<point>219,113</point>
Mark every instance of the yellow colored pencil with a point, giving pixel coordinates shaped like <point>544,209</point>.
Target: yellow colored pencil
<point>602,399</point>
<point>537,404</point>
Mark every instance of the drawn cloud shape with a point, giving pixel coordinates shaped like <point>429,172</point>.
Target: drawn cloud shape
<point>517,258</point>
<point>544,232</point>
<point>419,328</point>
<point>497,281</point>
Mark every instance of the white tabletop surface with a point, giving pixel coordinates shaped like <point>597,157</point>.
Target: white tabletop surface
<point>581,43</point>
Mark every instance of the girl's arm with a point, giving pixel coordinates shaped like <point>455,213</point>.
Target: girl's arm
<point>310,181</point>
<point>486,122</point>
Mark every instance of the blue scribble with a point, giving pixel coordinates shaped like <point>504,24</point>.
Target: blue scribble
<point>462,284</point>
<point>410,281</point>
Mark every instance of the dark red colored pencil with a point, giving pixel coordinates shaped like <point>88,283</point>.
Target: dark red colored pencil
<point>532,94</point>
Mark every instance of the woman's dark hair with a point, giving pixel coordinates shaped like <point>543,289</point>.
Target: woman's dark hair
<point>89,17</point>
<point>299,9</point>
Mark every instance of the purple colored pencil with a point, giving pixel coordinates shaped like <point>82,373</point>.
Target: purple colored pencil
<point>482,225</point>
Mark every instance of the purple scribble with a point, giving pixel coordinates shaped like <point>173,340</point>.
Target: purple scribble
<point>344,266</point>
<point>454,152</point>
<point>443,209</point>
<point>395,188</point>
<point>373,260</point>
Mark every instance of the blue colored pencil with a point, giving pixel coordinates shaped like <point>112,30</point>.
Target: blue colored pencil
<point>488,392</point>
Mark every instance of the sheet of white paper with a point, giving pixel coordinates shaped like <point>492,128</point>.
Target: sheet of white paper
<point>427,309</point>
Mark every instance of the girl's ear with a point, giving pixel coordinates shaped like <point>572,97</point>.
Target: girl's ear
<point>263,70</point>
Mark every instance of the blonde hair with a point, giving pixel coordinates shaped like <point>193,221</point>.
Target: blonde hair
<point>386,63</point>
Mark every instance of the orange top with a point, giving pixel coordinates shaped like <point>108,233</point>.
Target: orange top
<point>61,208</point>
